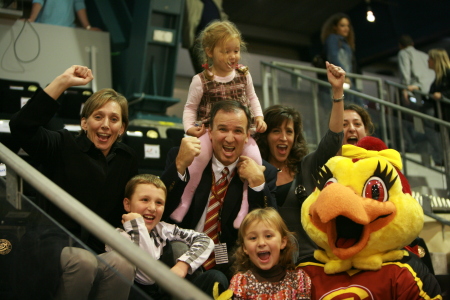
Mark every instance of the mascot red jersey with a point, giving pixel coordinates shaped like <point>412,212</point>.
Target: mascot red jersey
<point>362,215</point>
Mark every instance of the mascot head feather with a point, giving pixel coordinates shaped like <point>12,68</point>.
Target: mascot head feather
<point>361,213</point>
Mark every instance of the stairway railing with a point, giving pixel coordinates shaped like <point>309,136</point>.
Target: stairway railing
<point>18,171</point>
<point>269,73</point>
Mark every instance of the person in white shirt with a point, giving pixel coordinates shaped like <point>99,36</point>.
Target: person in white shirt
<point>145,198</point>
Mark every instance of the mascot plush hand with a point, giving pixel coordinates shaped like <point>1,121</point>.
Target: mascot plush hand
<point>362,215</point>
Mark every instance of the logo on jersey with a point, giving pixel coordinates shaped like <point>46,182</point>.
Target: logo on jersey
<point>352,292</point>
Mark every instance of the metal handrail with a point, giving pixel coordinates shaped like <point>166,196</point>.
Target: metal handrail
<point>284,65</point>
<point>362,95</point>
<point>100,228</point>
<point>383,103</point>
<point>323,71</point>
<point>402,86</point>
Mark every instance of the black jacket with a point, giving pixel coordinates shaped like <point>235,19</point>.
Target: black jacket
<point>75,164</point>
<point>232,201</point>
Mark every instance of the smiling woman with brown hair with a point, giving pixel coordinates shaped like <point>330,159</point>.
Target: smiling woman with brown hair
<point>357,124</point>
<point>284,146</point>
<point>93,167</point>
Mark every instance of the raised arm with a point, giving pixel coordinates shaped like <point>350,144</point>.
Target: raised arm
<point>73,76</point>
<point>336,77</point>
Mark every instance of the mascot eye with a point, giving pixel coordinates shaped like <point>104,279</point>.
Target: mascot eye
<point>375,188</point>
<point>330,181</point>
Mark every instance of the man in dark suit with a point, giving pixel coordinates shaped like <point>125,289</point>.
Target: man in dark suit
<point>229,131</point>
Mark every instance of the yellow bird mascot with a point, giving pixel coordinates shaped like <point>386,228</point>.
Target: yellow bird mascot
<point>362,215</point>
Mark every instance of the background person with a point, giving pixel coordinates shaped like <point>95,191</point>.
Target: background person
<point>414,71</point>
<point>429,133</point>
<point>93,167</point>
<point>197,15</point>
<point>284,146</point>
<point>60,12</point>
<point>439,62</point>
<point>338,38</point>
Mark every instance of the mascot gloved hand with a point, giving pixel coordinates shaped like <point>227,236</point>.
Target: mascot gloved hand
<point>361,215</point>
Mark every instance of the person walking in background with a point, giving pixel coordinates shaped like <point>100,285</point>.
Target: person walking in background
<point>60,12</point>
<point>222,79</point>
<point>415,74</point>
<point>424,129</point>
<point>414,71</point>
<point>197,15</point>
<point>264,260</point>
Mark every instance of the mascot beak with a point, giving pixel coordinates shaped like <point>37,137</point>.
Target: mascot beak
<point>349,219</point>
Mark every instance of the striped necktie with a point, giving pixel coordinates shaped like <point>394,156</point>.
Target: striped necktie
<point>211,227</point>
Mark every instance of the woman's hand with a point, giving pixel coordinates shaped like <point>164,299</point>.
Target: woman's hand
<point>196,131</point>
<point>77,75</point>
<point>336,75</point>
<point>436,95</point>
<point>73,76</point>
<point>261,126</point>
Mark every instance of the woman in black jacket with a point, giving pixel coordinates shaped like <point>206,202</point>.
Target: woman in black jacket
<point>284,146</point>
<point>93,167</point>
<point>439,62</point>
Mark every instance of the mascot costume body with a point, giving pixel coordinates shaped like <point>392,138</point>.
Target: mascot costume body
<point>362,215</point>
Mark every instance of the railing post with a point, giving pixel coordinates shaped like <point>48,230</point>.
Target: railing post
<point>265,76</point>
<point>315,88</point>
<point>275,86</point>
<point>14,188</point>
<point>393,142</point>
<point>446,156</point>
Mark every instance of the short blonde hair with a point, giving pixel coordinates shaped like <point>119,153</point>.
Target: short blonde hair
<point>100,98</point>
<point>130,188</point>
<point>271,217</point>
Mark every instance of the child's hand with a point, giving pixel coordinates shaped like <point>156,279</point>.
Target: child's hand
<point>181,269</point>
<point>261,126</point>
<point>129,217</point>
<point>196,131</point>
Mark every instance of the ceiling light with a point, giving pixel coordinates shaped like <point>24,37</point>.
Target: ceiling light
<point>370,15</point>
